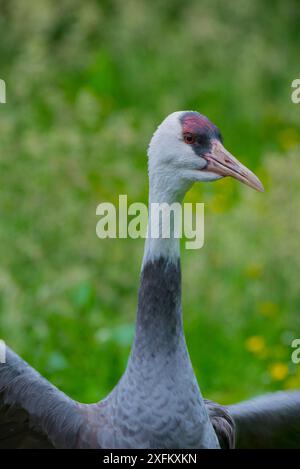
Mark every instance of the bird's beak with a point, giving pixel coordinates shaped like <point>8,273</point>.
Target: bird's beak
<point>220,161</point>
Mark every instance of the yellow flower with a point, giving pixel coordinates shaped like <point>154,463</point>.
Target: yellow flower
<point>254,270</point>
<point>268,309</point>
<point>279,371</point>
<point>255,344</point>
<point>288,138</point>
<point>292,383</point>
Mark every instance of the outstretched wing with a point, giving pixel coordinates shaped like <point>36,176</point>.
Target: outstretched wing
<point>33,412</point>
<point>270,421</point>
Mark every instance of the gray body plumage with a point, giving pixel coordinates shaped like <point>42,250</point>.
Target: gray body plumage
<point>156,404</point>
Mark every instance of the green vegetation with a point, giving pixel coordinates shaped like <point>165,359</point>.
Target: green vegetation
<point>87,82</point>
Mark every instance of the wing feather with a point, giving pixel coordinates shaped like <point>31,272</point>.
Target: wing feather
<point>269,421</point>
<point>33,412</point>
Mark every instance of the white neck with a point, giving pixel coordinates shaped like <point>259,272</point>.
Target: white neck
<point>162,190</point>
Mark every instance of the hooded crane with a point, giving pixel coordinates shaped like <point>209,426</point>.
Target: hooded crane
<point>157,402</point>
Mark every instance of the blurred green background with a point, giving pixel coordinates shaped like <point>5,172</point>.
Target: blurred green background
<point>87,83</point>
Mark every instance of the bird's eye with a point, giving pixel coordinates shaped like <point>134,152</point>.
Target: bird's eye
<point>189,138</point>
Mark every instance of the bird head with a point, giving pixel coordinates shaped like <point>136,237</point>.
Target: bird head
<point>187,147</point>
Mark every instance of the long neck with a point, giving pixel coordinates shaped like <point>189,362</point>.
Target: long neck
<point>159,382</point>
<point>159,330</point>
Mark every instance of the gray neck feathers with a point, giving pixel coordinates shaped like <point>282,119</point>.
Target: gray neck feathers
<point>159,320</point>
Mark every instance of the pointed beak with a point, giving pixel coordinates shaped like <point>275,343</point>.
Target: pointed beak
<point>220,161</point>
